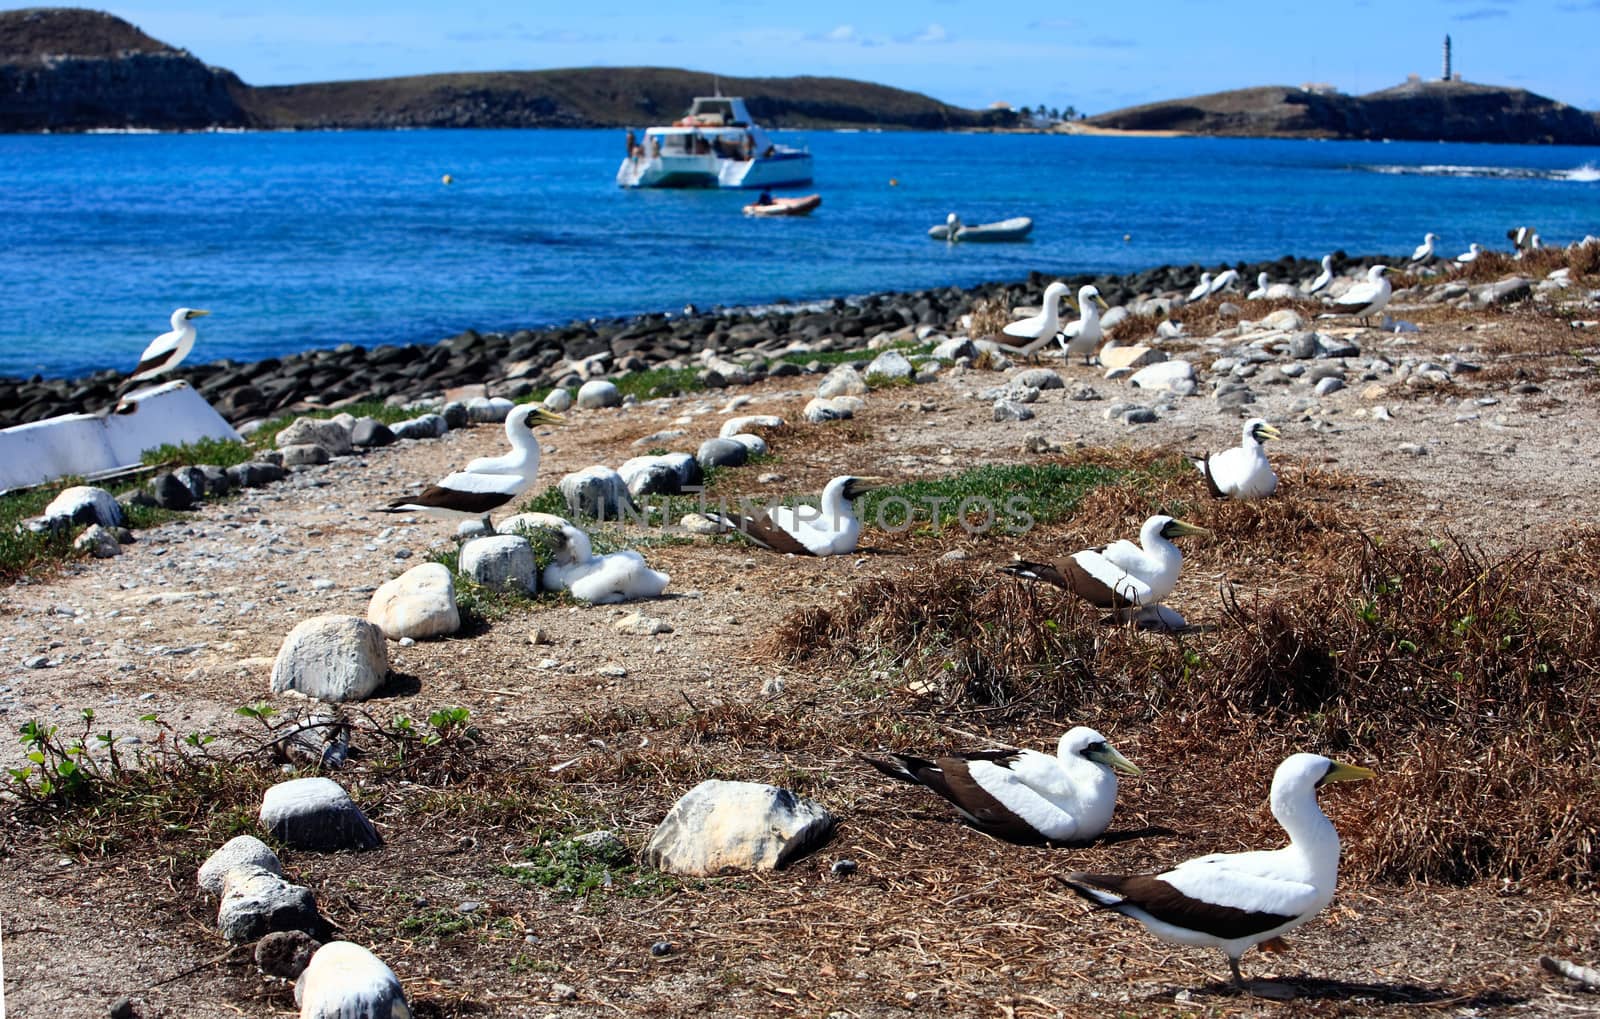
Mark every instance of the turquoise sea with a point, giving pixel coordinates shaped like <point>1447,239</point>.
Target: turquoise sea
<point>317,239</point>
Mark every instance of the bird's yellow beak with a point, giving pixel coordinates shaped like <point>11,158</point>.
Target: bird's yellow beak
<point>197,313</point>
<point>1180,529</point>
<point>860,485</point>
<point>1101,301</point>
<point>1071,305</point>
<point>1341,772</point>
<point>1111,759</point>
<point>541,414</point>
<point>1269,432</point>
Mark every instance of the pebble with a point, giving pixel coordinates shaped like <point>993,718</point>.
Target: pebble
<point>1007,410</point>
<point>1329,385</point>
<point>36,662</point>
<point>843,868</point>
<point>661,948</point>
<point>1413,449</point>
<point>612,671</point>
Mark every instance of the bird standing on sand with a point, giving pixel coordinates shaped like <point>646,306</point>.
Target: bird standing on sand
<point>1022,795</point>
<point>1120,575</point>
<point>1083,335</point>
<point>488,483</point>
<point>1243,471</point>
<point>1041,328</point>
<point>829,529</point>
<point>1324,278</point>
<point>1366,299</point>
<point>1234,901</point>
<point>167,350</point>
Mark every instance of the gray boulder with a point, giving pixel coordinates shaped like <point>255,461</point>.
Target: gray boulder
<point>84,504</point>
<point>419,603</point>
<point>755,444</point>
<point>240,851</point>
<point>97,541</point>
<point>500,561</point>
<point>732,827</point>
<point>370,433</point>
<point>1038,378</point>
<point>256,902</point>
<point>305,455</point>
<point>428,426</point>
<point>316,813</point>
<point>488,410</point>
<point>597,492</point>
<point>558,400</point>
<point>890,365</point>
<point>1011,410</point>
<point>741,425</point>
<point>954,349</point>
<point>836,409</point>
<point>722,453</point>
<point>331,435</point>
<point>169,492</point>
<point>332,658</point>
<point>667,474</point>
<point>455,414</point>
<point>1304,346</point>
<point>843,380</point>
<point>255,474</point>
<point>597,393</point>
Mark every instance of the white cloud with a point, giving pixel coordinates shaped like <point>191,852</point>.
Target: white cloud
<point>843,33</point>
<point>933,33</point>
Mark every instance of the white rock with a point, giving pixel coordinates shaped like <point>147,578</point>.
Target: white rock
<point>820,410</point>
<point>485,410</point>
<point>640,625</point>
<point>558,400</point>
<point>332,658</point>
<point>891,364</point>
<point>1168,375</point>
<point>237,852</point>
<point>754,443</point>
<point>1038,378</point>
<point>419,603</point>
<point>345,981</point>
<point>729,827</point>
<point>1284,320</point>
<point>257,901</point>
<point>599,393</point>
<point>1113,318</point>
<point>331,435</point>
<point>100,542</point>
<point>1130,357</point>
<point>666,474</point>
<point>843,380</point>
<point>500,561</point>
<point>696,523</point>
<point>316,813</point>
<point>740,425</point>
<point>597,492</point>
<point>955,349</point>
<point>85,504</point>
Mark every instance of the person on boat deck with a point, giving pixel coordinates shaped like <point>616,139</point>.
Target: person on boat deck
<point>748,149</point>
<point>634,150</point>
<point>766,197</point>
<point>655,148</point>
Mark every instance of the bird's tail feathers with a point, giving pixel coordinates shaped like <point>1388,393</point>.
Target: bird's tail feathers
<point>901,767</point>
<point>1085,886</point>
<point>1032,571</point>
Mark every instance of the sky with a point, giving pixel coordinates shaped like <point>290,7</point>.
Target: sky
<point>1092,56</point>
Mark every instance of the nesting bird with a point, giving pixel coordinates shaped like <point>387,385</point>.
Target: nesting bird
<point>1367,298</point>
<point>1424,251</point>
<point>1022,795</point>
<point>1041,328</point>
<point>1234,901</point>
<point>1260,292</point>
<point>829,529</point>
<point>1243,471</point>
<point>1084,335</point>
<point>600,580</point>
<point>488,483</point>
<point>167,350</point>
<point>1120,575</point>
<point>1323,278</point>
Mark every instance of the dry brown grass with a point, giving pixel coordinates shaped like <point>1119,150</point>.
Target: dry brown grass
<point>990,315</point>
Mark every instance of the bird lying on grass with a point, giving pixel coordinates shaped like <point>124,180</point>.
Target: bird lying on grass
<point>1243,471</point>
<point>1120,575</point>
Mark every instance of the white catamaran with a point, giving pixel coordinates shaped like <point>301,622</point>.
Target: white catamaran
<point>716,146</point>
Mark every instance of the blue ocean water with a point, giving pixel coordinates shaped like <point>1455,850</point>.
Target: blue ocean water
<point>316,239</point>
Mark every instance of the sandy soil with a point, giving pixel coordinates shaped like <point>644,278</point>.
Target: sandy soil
<point>938,919</point>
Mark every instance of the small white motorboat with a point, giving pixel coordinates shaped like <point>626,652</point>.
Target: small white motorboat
<point>953,230</point>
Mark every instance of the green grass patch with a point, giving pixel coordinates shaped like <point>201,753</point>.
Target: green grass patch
<point>573,868</point>
<point>21,551</point>
<point>216,452</point>
<point>1011,497</point>
<point>656,382</point>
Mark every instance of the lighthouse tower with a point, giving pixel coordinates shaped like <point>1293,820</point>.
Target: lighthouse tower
<point>1446,76</point>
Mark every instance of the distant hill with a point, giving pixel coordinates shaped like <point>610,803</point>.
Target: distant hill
<point>1416,111</point>
<point>70,69</point>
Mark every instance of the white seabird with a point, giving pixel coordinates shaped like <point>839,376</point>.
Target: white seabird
<point>1022,795</point>
<point>1225,281</point>
<point>1120,575</point>
<point>1234,901</point>
<point>1470,255</point>
<point>1201,289</point>
<point>1368,298</point>
<point>829,529</point>
<point>166,350</point>
<point>345,980</point>
<point>600,580</point>
<point>1323,278</point>
<point>488,483</point>
<point>1243,471</point>
<point>1041,328</point>
<point>1260,292</point>
<point>1424,251</point>
<point>1083,335</point>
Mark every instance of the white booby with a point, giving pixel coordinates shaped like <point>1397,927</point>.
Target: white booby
<point>345,981</point>
<point>1083,335</point>
<point>1366,299</point>
<point>488,483</point>
<point>1225,281</point>
<point>1201,289</point>
<point>1260,292</point>
<point>1424,251</point>
<point>166,350</point>
<point>1120,575</point>
<point>829,529</point>
<point>599,580</point>
<point>1323,278</point>
<point>1470,255</point>
<point>1041,328</point>
<point>1022,795</point>
<point>1234,901</point>
<point>1243,471</point>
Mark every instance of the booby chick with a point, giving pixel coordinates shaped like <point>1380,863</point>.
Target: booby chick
<point>344,981</point>
<point>1234,901</point>
<point>1243,471</point>
<point>1323,278</point>
<point>1022,795</point>
<point>488,483</point>
<point>829,529</point>
<point>1120,575</point>
<point>1040,329</point>
<point>599,580</point>
<point>167,350</point>
<point>1084,335</point>
<point>1368,298</point>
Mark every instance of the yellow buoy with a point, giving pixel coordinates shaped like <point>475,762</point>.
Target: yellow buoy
<point>448,179</point>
